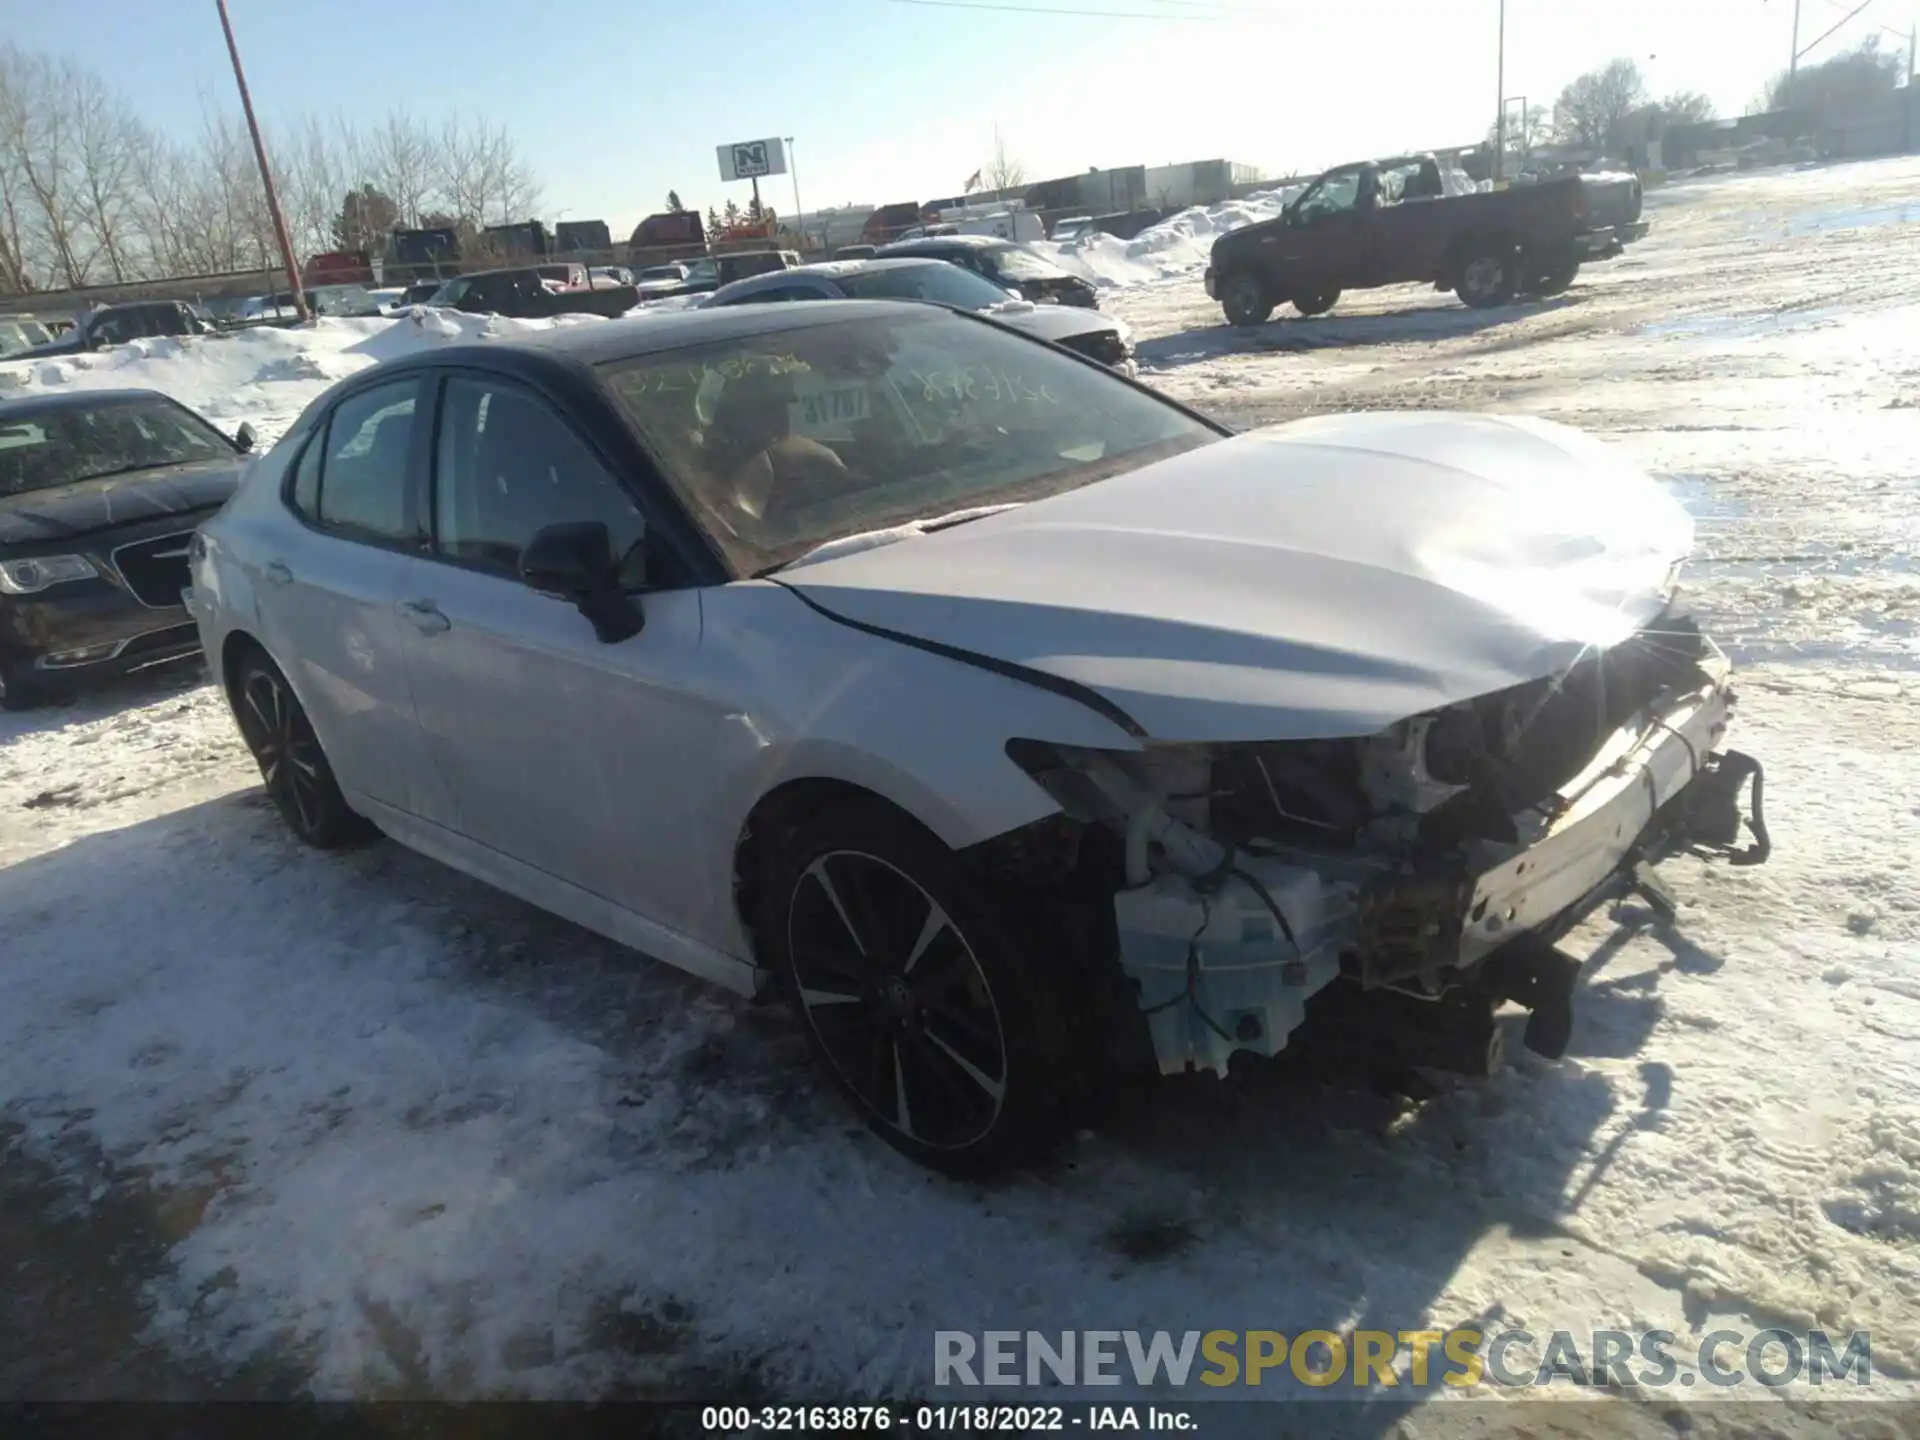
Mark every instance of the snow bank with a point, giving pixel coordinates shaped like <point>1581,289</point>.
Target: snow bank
<point>1172,249</point>
<point>265,377</point>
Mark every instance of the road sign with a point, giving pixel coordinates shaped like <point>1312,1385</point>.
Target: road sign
<point>750,159</point>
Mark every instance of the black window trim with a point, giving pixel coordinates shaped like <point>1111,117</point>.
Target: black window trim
<point>322,425</point>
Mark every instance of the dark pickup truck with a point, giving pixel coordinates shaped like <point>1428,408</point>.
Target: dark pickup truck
<point>525,293</point>
<point>117,324</point>
<point>1391,222</point>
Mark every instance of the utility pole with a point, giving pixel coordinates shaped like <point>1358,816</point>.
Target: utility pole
<point>266,173</point>
<point>1500,113</point>
<point>793,169</point>
<point>1793,62</point>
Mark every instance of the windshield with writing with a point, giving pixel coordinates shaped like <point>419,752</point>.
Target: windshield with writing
<point>782,441</point>
<point>59,447</point>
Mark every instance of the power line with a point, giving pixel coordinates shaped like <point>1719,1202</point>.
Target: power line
<point>1165,16</point>
<point>1842,5</point>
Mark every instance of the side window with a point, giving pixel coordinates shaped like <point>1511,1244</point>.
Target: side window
<point>506,468</point>
<point>306,475</point>
<point>363,473</point>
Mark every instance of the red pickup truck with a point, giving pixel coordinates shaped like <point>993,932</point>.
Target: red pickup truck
<point>1389,222</point>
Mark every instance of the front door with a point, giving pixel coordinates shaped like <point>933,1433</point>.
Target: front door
<point>1323,245</point>
<point>591,762</point>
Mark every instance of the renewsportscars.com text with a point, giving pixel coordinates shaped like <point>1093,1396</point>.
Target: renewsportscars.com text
<point>1381,1359</point>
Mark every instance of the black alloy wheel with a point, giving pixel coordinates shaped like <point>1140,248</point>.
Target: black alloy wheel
<point>298,778</point>
<point>1245,300</point>
<point>1489,276</point>
<point>911,998</point>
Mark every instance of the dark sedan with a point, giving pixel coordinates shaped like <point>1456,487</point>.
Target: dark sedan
<point>1009,265</point>
<point>1098,337</point>
<point>100,493</point>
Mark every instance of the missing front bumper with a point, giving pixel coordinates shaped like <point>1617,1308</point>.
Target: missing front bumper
<point>1228,962</point>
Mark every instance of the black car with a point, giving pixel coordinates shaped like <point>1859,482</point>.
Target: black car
<point>1009,265</point>
<point>117,324</point>
<point>100,493</point>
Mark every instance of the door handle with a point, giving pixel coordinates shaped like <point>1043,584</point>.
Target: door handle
<point>426,616</point>
<point>278,573</point>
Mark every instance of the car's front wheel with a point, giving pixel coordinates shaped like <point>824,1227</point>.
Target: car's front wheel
<point>1245,300</point>
<point>299,780</point>
<point>949,1042</point>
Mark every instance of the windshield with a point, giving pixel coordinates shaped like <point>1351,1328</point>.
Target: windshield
<point>663,272</point>
<point>939,282</point>
<point>59,447</point>
<point>781,441</point>
<point>1020,263</point>
<point>18,335</point>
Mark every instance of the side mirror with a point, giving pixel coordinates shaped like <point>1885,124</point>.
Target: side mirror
<point>575,561</point>
<point>244,439</point>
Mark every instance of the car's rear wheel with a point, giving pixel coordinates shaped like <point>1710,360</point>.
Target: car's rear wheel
<point>1554,276</point>
<point>948,1041</point>
<point>1489,275</point>
<point>1245,300</point>
<point>298,777</point>
<point>1316,302</point>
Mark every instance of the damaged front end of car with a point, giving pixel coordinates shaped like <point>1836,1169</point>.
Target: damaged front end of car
<point>1410,882</point>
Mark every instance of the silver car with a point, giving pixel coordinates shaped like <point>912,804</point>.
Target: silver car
<point>1090,333</point>
<point>1020,727</point>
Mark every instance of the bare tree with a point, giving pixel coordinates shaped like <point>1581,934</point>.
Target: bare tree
<point>1686,107</point>
<point>1523,134</point>
<point>400,162</point>
<point>1848,83</point>
<point>1592,111</point>
<point>36,127</point>
<point>1003,172</point>
<point>479,174</point>
<point>107,145</point>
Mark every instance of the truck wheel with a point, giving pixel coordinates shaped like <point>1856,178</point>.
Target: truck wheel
<point>1316,302</point>
<point>1246,301</point>
<point>1554,277</point>
<point>1489,275</point>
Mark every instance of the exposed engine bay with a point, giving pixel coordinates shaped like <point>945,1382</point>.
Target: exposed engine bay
<point>1423,872</point>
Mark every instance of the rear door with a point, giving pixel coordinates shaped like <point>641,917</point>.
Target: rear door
<point>328,591</point>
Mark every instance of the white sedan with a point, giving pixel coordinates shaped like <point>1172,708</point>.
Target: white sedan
<point>1020,727</point>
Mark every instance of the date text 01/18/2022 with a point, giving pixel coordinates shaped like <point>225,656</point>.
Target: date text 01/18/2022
<point>1000,1419</point>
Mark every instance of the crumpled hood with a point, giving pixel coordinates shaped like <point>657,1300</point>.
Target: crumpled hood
<point>1321,578</point>
<point>73,510</point>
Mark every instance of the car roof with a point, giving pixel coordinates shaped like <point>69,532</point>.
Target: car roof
<point>658,332</point>
<point>975,241</point>
<point>17,408</point>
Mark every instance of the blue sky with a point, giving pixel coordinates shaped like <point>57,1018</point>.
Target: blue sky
<point>615,101</point>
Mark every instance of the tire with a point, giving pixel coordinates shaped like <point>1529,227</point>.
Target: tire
<point>1246,301</point>
<point>1554,277</point>
<point>298,778</point>
<point>1488,275</point>
<point>942,1034</point>
<point>1316,303</point>
<point>18,691</point>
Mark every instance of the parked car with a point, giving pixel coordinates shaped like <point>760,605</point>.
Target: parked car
<point>528,293</point>
<point>1388,222</point>
<point>709,272</point>
<point>116,324</point>
<point>656,281</point>
<point>1096,336</point>
<point>20,333</point>
<point>1009,265</point>
<point>855,252</point>
<point>339,267</point>
<point>99,491</point>
<point>1018,725</point>
<point>417,255</point>
<point>420,294</point>
<point>1071,227</point>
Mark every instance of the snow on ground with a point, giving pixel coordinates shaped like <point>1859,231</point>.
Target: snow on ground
<point>403,1135</point>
